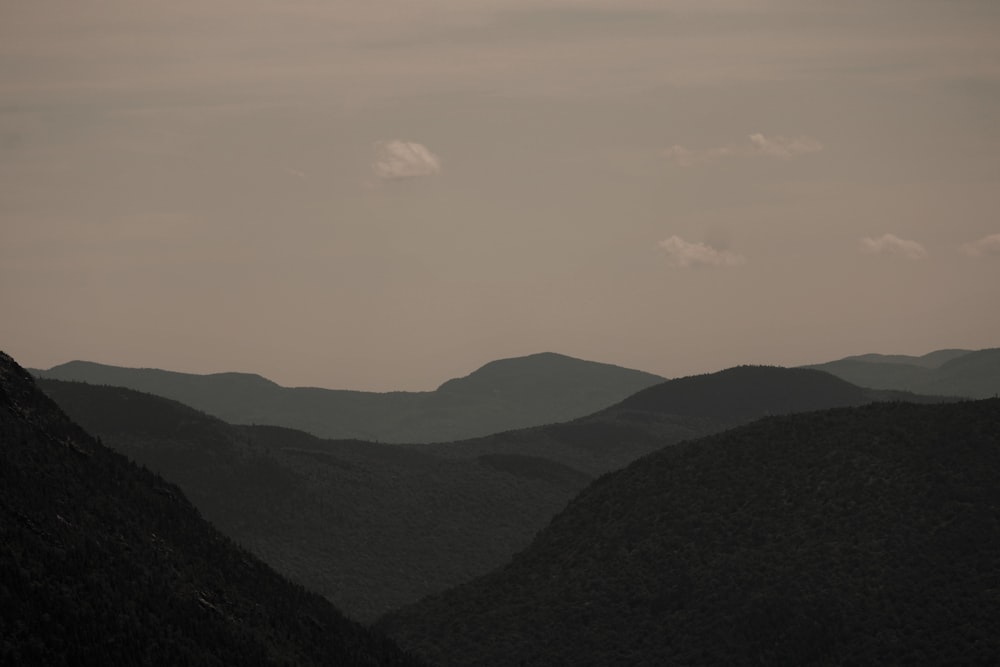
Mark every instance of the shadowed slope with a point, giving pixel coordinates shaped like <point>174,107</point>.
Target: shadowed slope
<point>865,535</point>
<point>104,563</point>
<point>370,526</point>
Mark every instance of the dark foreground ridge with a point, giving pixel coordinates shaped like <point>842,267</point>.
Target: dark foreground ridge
<point>103,563</point>
<point>867,535</point>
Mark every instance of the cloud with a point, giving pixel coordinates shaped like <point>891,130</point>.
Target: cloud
<point>683,254</point>
<point>784,148</point>
<point>396,160</point>
<point>988,245</point>
<point>890,244</point>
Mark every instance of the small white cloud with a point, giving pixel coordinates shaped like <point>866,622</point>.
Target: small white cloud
<point>988,245</point>
<point>684,254</point>
<point>395,160</point>
<point>890,244</point>
<point>784,148</point>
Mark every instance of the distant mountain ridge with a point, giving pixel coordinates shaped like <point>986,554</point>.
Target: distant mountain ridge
<point>965,373</point>
<point>675,410</point>
<point>502,395</point>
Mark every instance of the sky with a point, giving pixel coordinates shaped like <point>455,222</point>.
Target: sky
<point>383,195</point>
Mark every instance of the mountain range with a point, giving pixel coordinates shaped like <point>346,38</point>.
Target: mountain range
<point>502,395</point>
<point>970,374</point>
<point>105,563</point>
<point>655,530</point>
<point>375,526</point>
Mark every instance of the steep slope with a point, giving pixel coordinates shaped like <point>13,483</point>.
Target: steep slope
<point>502,395</point>
<point>369,526</point>
<point>944,372</point>
<point>863,535</point>
<point>104,563</point>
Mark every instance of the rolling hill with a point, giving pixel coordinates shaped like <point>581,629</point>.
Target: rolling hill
<point>502,395</point>
<point>102,563</point>
<point>672,411</point>
<point>867,535</point>
<point>944,372</point>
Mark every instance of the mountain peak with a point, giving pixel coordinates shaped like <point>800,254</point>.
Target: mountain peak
<point>543,367</point>
<point>745,392</point>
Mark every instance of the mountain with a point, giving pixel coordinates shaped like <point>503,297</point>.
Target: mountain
<point>865,535</point>
<point>102,562</point>
<point>929,360</point>
<point>948,372</point>
<point>672,411</point>
<point>369,526</point>
<point>422,518</point>
<point>502,395</point>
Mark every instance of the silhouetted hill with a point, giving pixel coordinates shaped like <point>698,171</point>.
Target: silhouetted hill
<point>929,360</point>
<point>944,372</point>
<point>370,526</point>
<point>502,395</point>
<point>976,375</point>
<point>672,411</point>
<point>866,535</point>
<point>104,563</point>
<point>747,392</point>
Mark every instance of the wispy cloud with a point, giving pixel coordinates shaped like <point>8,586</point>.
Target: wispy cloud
<point>395,160</point>
<point>685,254</point>
<point>890,244</point>
<point>988,245</point>
<point>784,148</point>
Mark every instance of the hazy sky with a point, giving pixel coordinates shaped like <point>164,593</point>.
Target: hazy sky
<point>384,194</point>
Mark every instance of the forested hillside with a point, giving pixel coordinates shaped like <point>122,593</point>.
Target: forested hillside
<point>866,535</point>
<point>104,563</point>
<point>370,526</point>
